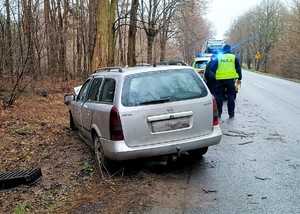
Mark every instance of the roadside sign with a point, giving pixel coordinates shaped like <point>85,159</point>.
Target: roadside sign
<point>257,55</point>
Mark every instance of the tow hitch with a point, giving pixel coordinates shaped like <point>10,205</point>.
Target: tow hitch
<point>178,152</point>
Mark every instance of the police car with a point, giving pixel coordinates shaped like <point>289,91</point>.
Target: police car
<point>200,62</point>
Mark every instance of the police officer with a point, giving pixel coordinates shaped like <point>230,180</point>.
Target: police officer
<point>226,69</point>
<point>209,76</point>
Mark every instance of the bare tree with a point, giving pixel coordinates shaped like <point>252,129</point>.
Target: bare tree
<point>260,27</point>
<point>8,47</point>
<point>103,52</point>
<point>241,36</point>
<point>27,9</point>
<point>193,30</point>
<point>50,38</point>
<point>111,32</point>
<point>122,13</point>
<point>150,15</point>
<point>284,58</point>
<point>168,29</point>
<point>270,22</point>
<point>132,34</point>
<point>100,49</point>
<point>93,13</point>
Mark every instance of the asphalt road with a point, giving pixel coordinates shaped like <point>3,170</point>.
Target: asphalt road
<point>256,167</point>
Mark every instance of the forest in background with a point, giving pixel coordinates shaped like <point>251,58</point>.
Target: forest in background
<point>272,29</point>
<point>61,40</point>
<point>66,39</point>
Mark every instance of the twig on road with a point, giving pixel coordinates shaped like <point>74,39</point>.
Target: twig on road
<point>263,179</point>
<point>209,191</point>
<point>246,143</point>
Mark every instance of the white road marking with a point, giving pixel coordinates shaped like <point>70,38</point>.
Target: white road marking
<point>276,95</point>
<point>257,85</point>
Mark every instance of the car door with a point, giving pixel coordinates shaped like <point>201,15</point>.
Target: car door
<point>87,109</point>
<point>102,109</point>
<point>80,100</point>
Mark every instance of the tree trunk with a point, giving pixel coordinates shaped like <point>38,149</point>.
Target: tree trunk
<point>150,41</point>
<point>50,39</point>
<point>111,32</point>
<point>93,16</point>
<point>100,56</point>
<point>120,57</point>
<point>9,59</point>
<point>257,64</point>
<point>63,41</point>
<point>125,41</point>
<point>132,34</point>
<point>163,45</point>
<point>60,38</point>
<point>265,63</point>
<point>28,35</point>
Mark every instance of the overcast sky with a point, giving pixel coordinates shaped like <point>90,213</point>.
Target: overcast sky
<point>222,13</point>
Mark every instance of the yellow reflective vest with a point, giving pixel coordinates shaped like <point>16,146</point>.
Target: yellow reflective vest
<point>226,67</point>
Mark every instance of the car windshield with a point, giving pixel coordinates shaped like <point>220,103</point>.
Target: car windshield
<point>162,86</point>
<point>201,64</point>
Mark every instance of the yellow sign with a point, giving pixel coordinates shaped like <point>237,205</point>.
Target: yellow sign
<point>257,55</point>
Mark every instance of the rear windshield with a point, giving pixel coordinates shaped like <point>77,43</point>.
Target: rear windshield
<point>162,86</point>
<point>201,64</point>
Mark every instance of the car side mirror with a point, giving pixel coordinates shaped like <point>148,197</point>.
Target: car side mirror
<point>69,98</point>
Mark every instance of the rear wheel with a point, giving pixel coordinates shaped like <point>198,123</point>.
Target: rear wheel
<point>99,154</point>
<point>102,162</point>
<point>198,152</point>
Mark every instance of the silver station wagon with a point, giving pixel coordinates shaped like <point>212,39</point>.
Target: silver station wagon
<point>130,113</point>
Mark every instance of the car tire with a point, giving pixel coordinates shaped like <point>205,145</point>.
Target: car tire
<point>99,154</point>
<point>72,124</point>
<point>102,162</point>
<point>198,152</point>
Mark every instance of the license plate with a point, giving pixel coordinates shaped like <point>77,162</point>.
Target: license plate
<point>170,124</point>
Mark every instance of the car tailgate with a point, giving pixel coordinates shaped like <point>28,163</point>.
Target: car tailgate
<point>166,122</point>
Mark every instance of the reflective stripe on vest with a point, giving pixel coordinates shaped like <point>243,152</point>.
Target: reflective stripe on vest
<point>226,67</point>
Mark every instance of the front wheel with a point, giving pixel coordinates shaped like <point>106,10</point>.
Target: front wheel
<point>198,152</point>
<point>72,124</point>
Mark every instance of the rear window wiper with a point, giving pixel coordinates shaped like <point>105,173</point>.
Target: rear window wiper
<point>162,100</point>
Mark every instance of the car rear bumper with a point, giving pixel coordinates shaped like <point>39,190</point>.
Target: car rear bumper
<point>118,150</point>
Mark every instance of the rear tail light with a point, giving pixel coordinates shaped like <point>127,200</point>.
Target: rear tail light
<point>115,126</point>
<point>215,114</point>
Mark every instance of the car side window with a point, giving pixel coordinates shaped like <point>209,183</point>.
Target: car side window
<point>108,90</point>
<point>83,91</point>
<point>95,90</point>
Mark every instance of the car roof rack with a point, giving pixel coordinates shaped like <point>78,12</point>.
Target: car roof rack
<point>110,69</point>
<point>175,62</point>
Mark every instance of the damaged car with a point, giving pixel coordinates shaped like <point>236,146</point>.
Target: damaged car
<point>139,112</point>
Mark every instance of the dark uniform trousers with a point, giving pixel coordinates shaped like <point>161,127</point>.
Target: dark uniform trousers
<point>225,87</point>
